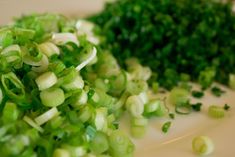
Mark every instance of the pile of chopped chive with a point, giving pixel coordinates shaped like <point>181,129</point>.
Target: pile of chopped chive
<point>175,38</point>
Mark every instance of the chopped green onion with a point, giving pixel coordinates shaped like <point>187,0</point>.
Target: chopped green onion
<point>178,96</point>
<point>75,151</point>
<point>216,111</point>
<point>56,67</point>
<point>99,144</point>
<point>48,115</point>
<point>52,97</point>
<point>67,76</point>
<point>81,99</point>
<point>13,56</point>
<point>152,106</point>
<point>101,119</point>
<point>1,95</point>
<point>183,108</point>
<point>59,152</point>
<point>10,113</point>
<point>202,145</point>
<point>85,113</point>
<point>155,87</point>
<point>77,83</point>
<point>64,38</point>
<point>138,131</point>
<point>13,86</point>
<point>135,106</point>
<point>88,60</point>
<point>135,87</point>
<point>120,145</point>
<point>232,81</point>
<point>43,65</point>
<point>32,123</point>
<point>206,77</point>
<point>138,127</point>
<point>166,126</point>
<point>23,35</point>
<point>49,49</point>
<point>6,37</point>
<point>46,80</point>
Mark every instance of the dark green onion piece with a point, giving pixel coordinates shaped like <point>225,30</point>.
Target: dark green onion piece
<point>166,126</point>
<point>13,86</point>
<point>216,91</point>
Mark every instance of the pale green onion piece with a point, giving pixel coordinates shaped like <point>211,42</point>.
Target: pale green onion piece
<point>84,26</point>
<point>63,38</point>
<point>85,113</point>
<point>139,121</point>
<point>59,152</point>
<point>32,123</point>
<point>216,111</point>
<point>138,131</point>
<point>101,119</point>
<point>152,106</point>
<point>10,113</point>
<point>178,96</point>
<point>52,97</point>
<point>1,95</point>
<point>136,87</point>
<point>13,55</point>
<point>46,80</point>
<point>43,65</point>
<point>120,144</point>
<point>88,60</point>
<point>135,105</point>
<point>49,49</point>
<point>81,99</point>
<point>99,144</point>
<point>75,151</point>
<point>48,115</point>
<point>77,83</point>
<point>232,81</point>
<point>144,97</point>
<point>202,145</point>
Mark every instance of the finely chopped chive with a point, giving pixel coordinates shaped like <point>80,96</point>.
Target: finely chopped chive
<point>165,26</point>
<point>217,91</point>
<point>197,94</point>
<point>226,107</point>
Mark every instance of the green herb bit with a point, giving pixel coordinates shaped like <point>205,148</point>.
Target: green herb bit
<point>196,107</point>
<point>197,94</point>
<point>216,91</point>
<point>166,126</point>
<point>172,115</point>
<point>226,107</point>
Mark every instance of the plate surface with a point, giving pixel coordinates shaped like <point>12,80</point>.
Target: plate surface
<point>177,142</point>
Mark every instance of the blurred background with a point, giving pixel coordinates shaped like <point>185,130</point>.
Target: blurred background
<point>15,8</point>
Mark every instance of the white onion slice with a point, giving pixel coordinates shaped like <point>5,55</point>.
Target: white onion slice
<point>88,60</point>
<point>48,115</point>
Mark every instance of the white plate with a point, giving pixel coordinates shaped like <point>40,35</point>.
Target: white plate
<point>177,142</point>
